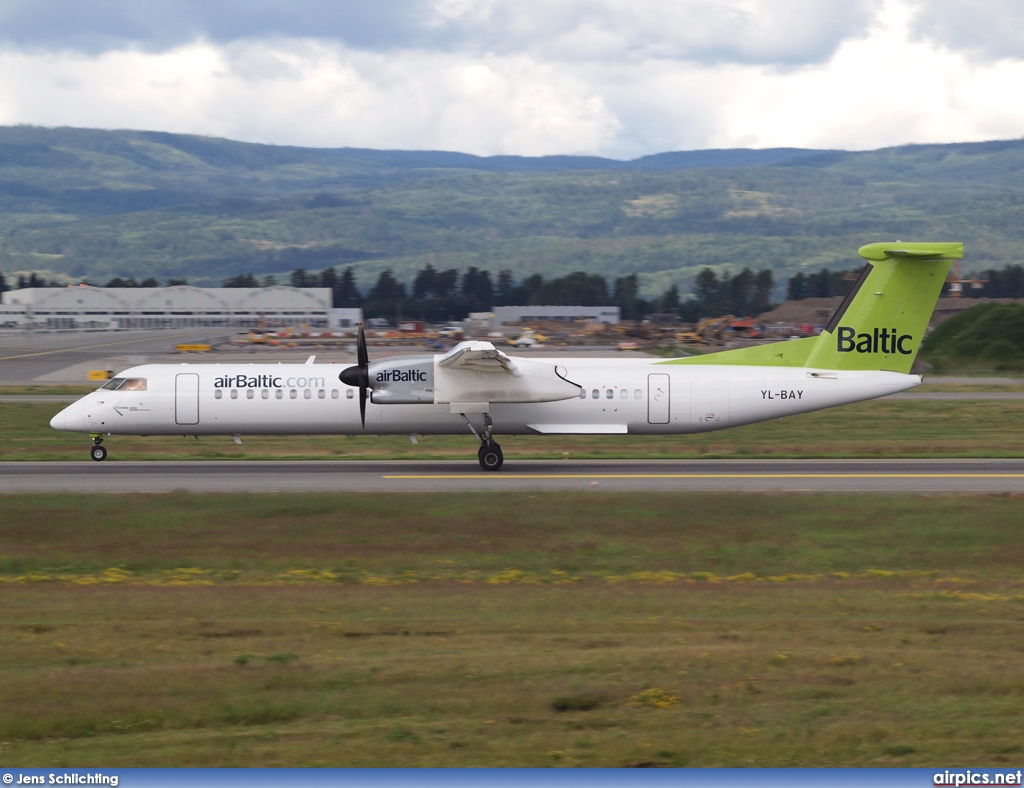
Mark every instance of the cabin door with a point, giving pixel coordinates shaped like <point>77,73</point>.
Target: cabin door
<point>186,398</point>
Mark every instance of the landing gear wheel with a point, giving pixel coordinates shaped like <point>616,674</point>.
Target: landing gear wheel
<point>490,456</point>
<point>98,453</point>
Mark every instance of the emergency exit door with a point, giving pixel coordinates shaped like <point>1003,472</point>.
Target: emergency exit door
<point>186,398</point>
<point>658,399</point>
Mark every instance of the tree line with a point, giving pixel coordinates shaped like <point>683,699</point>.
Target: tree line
<point>439,295</point>
<point>1005,283</point>
<point>742,294</point>
<point>823,284</point>
<point>448,294</point>
<point>32,280</point>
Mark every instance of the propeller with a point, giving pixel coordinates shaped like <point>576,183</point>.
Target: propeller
<point>359,375</point>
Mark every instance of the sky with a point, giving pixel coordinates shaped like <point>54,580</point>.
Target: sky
<point>615,78</point>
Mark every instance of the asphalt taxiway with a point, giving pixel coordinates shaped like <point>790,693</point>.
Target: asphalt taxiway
<point>891,476</point>
<point>67,358</point>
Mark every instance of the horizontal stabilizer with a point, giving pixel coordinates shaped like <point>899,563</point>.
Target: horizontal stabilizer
<point>918,251</point>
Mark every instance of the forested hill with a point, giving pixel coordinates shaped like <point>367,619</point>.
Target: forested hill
<point>98,204</point>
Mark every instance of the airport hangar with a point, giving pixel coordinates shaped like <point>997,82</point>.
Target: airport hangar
<point>86,308</point>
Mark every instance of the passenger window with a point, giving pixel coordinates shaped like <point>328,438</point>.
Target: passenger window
<point>583,393</point>
<point>265,394</point>
<point>349,393</point>
<point>322,394</point>
<point>638,394</point>
<point>234,393</point>
<point>595,394</point>
<point>279,393</point>
<point>610,394</point>
<point>623,394</point>
<point>250,393</point>
<point>218,394</point>
<point>293,394</point>
<point>334,393</point>
<point>307,394</point>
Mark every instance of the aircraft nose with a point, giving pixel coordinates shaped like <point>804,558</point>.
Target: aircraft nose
<point>71,419</point>
<point>60,421</point>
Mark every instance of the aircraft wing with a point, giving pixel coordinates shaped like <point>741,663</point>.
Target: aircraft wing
<point>477,372</point>
<point>479,357</point>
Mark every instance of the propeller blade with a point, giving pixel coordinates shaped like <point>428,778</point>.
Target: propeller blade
<point>359,375</point>
<point>362,357</point>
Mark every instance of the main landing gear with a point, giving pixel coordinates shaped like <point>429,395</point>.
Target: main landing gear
<point>358,376</point>
<point>97,452</point>
<point>489,454</point>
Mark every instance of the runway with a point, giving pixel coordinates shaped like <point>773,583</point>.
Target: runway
<point>891,476</point>
<point>951,396</point>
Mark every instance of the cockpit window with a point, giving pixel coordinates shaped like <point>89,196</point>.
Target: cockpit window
<point>125,384</point>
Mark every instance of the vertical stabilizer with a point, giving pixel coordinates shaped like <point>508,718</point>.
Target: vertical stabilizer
<point>882,321</point>
<point>879,325</point>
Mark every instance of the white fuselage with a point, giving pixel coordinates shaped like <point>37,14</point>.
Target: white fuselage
<point>637,396</point>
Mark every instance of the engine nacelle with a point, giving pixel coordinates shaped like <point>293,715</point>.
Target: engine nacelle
<point>402,380</point>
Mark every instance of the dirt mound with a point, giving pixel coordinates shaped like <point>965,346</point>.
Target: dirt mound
<point>950,307</point>
<point>819,310</point>
<point>807,310</point>
<point>991,334</point>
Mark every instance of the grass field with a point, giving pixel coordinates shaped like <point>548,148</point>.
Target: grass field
<point>564,630</point>
<point>881,428</point>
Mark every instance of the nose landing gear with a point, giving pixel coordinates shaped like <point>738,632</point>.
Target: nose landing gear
<point>97,452</point>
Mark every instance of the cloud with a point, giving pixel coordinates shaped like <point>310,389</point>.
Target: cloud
<point>763,31</point>
<point>309,93</point>
<point>707,31</point>
<point>984,29</point>
<point>884,89</point>
<point>97,26</point>
<point>497,77</point>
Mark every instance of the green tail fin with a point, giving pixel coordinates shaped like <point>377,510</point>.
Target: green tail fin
<point>881,322</point>
<point>879,325</point>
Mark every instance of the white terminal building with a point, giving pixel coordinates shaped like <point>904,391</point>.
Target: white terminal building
<point>505,315</point>
<point>87,308</point>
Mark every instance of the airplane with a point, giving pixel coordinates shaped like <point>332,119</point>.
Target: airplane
<point>865,351</point>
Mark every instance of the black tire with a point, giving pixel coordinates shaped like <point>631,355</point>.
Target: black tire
<point>491,458</point>
<point>98,453</point>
